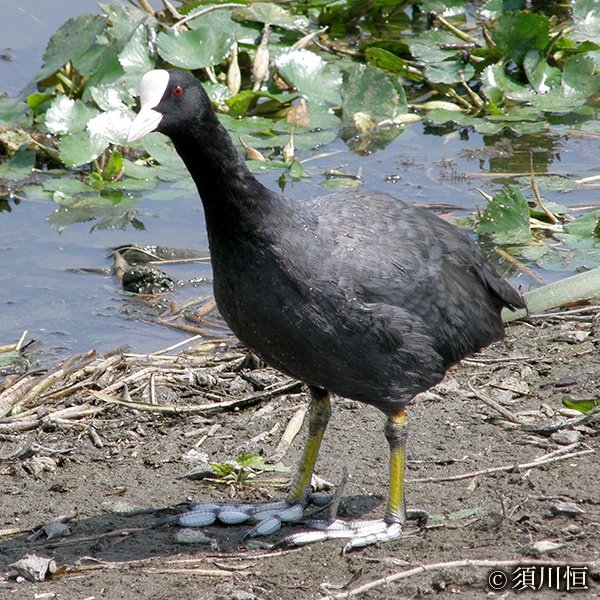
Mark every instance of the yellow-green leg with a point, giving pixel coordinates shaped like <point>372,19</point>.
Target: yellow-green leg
<point>395,433</point>
<point>320,411</point>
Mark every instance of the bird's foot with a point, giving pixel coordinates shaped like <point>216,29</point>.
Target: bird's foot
<point>268,516</point>
<point>360,533</point>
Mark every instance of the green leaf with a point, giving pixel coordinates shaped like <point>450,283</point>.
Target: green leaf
<point>19,166</point>
<point>494,8</point>
<point>66,186</point>
<point>111,97</point>
<point>583,406</point>
<point>196,48</point>
<point>223,470</point>
<point>369,90</point>
<point>497,85</point>
<point>113,167</point>
<point>586,21</point>
<point>13,110</point>
<point>136,171</point>
<point>111,126</point>
<point>158,146</point>
<point>386,60</point>
<point>66,115</point>
<point>296,170</point>
<point>585,227</point>
<point>552,183</point>
<point>444,8</point>
<point>271,14</point>
<point>434,46</point>
<point>221,20</point>
<point>36,100</point>
<point>90,61</point>
<point>124,22</point>
<point>35,192</point>
<point>73,39</point>
<point>315,78</point>
<point>516,33</point>
<point>506,218</point>
<point>242,102</point>
<point>341,183</point>
<point>109,72</point>
<point>251,461</point>
<point>8,357</point>
<point>109,210</point>
<point>449,71</point>
<point>81,148</point>
<point>540,74</point>
<point>579,77</point>
<point>135,56</point>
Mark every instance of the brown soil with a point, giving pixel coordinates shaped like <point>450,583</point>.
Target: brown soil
<point>137,462</point>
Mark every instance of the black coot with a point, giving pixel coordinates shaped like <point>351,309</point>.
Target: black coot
<point>355,293</point>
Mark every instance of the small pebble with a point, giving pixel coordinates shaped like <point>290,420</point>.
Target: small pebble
<point>56,529</point>
<point>568,509</point>
<point>541,547</point>
<point>192,536</point>
<point>242,595</point>
<point>566,437</point>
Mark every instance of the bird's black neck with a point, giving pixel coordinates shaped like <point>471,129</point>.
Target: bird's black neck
<point>234,201</point>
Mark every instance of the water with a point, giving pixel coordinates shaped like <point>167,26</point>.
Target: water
<point>71,312</point>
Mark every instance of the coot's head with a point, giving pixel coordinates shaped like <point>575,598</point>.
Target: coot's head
<point>171,102</point>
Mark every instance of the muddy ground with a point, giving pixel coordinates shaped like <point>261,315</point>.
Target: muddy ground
<point>115,473</point>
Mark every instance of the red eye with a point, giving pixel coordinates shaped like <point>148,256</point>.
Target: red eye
<point>177,91</point>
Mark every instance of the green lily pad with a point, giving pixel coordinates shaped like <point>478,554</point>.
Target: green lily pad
<point>135,56</point>
<point>271,14</point>
<point>81,148</point>
<point>315,78</point>
<point>551,183</point>
<point>497,86</point>
<point>111,126</point>
<point>369,90</point>
<point>386,60</point>
<point>341,183</point>
<point>585,227</point>
<point>18,166</point>
<point>109,210</point>
<point>141,172</point>
<point>111,97</point>
<point>66,186</point>
<point>242,102</point>
<point>506,218</point>
<point>584,256</point>
<point>73,39</point>
<point>157,146</point>
<point>586,21</point>
<point>494,8</point>
<point>35,192</point>
<point>516,33</point>
<point>66,115</point>
<point>444,8</point>
<point>222,20</point>
<point>539,73</point>
<point>449,71</point>
<point>435,46</point>
<point>196,48</point>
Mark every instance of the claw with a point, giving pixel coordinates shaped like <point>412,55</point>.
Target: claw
<point>360,533</point>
